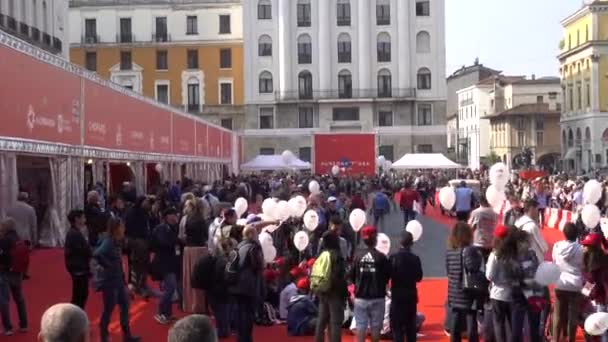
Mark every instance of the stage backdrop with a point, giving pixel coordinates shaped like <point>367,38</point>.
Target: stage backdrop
<point>353,153</point>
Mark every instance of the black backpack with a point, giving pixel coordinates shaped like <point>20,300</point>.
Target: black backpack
<point>203,273</point>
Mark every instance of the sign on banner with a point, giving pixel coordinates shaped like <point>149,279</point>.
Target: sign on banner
<point>354,153</point>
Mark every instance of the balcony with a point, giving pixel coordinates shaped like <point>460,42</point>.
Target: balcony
<point>90,39</point>
<point>124,38</point>
<point>24,29</point>
<point>336,94</point>
<point>161,37</point>
<point>35,34</point>
<point>46,39</point>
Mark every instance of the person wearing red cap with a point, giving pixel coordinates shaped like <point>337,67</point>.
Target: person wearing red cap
<point>595,273</point>
<point>302,312</point>
<point>370,274</point>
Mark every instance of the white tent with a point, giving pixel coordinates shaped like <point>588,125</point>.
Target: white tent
<point>274,162</point>
<point>424,161</point>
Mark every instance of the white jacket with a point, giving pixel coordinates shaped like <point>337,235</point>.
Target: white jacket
<point>537,242</point>
<point>569,257</point>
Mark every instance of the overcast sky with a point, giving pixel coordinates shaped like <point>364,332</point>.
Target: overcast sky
<point>520,37</point>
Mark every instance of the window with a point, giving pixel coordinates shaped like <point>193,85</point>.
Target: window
<point>344,48</point>
<point>423,42</point>
<point>578,37</point>
<point>588,94</point>
<point>306,117</point>
<point>520,124</point>
<point>34,14</point>
<point>265,46</point>
<point>540,138</point>
<point>126,35</point>
<point>579,96</point>
<point>266,83</point>
<point>162,60</point>
<point>91,60</point>
<point>305,154</point>
<point>225,58</point>
<point>267,151</point>
<point>225,93</point>
<point>383,12</point>
<point>425,114</point>
<point>162,93</point>
<point>424,148</point>
<point>385,118</point>
<point>90,30</point>
<point>161,29</point>
<point>264,10</point>
<point>521,138</point>
<point>45,19</point>
<point>587,33</point>
<point>384,83</point>
<point>193,96</point>
<point>345,114</point>
<point>226,123</point>
<point>387,151</point>
<point>304,13</point>
<point>343,12</point>
<point>345,85</point>
<point>192,59</point>
<point>224,24</point>
<point>570,98</point>
<point>540,123</point>
<point>553,95</point>
<point>384,47</point>
<point>424,78</point>
<point>304,49</point>
<point>423,8</point>
<point>125,60</point>
<point>191,25</point>
<point>540,99</point>
<point>267,118</point>
<point>305,85</point>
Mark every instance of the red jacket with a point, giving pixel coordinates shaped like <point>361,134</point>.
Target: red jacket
<point>408,196</point>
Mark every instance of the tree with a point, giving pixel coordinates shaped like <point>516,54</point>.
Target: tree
<point>493,158</point>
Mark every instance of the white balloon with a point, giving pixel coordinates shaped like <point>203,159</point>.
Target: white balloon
<point>270,253</point>
<point>415,228</point>
<point>592,192</point>
<point>314,187</point>
<point>240,206</point>
<point>269,208</point>
<point>287,156</point>
<point>283,211</point>
<point>311,220</point>
<point>158,168</point>
<point>596,324</point>
<point>495,197</point>
<point>447,197</point>
<point>335,170</point>
<point>590,215</point>
<point>547,273</point>
<point>383,244</point>
<point>265,239</point>
<point>499,175</point>
<point>387,165</point>
<point>604,225</point>
<point>301,240</point>
<point>357,219</point>
<point>381,161</point>
<point>241,222</point>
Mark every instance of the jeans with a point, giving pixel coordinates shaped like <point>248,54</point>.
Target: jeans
<point>169,285</point>
<point>519,311</point>
<point>565,315</point>
<point>139,260</point>
<point>10,284</point>
<point>403,320</point>
<point>80,290</point>
<point>221,311</point>
<point>409,215</point>
<point>471,321</point>
<point>114,293</point>
<point>369,313</point>
<point>501,316</point>
<point>245,318</point>
<point>331,316</point>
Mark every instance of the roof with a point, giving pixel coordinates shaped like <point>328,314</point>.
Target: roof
<point>526,109</point>
<point>542,80</point>
<point>464,70</point>
<point>506,79</point>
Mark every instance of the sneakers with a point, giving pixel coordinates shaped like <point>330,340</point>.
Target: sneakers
<point>8,333</point>
<point>162,319</point>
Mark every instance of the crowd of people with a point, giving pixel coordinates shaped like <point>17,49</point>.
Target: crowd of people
<point>208,259</point>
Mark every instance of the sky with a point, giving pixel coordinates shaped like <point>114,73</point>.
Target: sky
<point>519,37</point>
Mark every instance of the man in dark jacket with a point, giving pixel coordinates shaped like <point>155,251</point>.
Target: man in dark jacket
<point>137,230</point>
<point>78,257</point>
<point>301,311</point>
<point>166,263</point>
<point>10,281</point>
<point>96,219</point>
<point>370,274</point>
<point>406,271</point>
<point>246,290</point>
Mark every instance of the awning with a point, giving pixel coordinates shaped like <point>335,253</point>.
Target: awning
<point>274,162</point>
<point>424,161</point>
<point>571,154</point>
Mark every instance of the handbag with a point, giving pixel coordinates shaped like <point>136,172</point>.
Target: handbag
<point>473,282</point>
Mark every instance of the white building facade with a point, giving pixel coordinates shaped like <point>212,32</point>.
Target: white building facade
<point>373,66</point>
<point>43,23</point>
<point>473,105</point>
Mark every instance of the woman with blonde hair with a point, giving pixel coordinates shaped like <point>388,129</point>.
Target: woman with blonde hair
<point>194,230</point>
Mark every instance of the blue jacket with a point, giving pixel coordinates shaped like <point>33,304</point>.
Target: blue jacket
<point>300,311</point>
<point>109,256</point>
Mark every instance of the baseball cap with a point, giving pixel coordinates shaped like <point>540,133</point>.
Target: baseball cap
<point>297,272</point>
<point>310,262</point>
<point>501,231</point>
<point>368,232</point>
<point>303,284</point>
<point>592,240</point>
<point>332,199</point>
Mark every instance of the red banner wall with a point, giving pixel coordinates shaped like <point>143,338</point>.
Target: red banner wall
<point>214,141</point>
<point>183,135</point>
<point>226,144</point>
<point>201,139</point>
<point>38,101</point>
<point>116,121</point>
<point>354,152</point>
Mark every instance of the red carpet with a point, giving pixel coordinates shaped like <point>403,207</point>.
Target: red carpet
<point>50,284</point>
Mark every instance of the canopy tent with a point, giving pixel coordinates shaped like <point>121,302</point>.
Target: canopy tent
<point>424,161</point>
<point>274,162</point>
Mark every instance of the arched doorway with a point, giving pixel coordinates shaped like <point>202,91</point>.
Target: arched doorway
<point>548,162</point>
